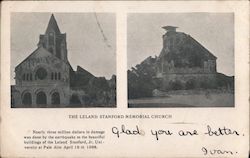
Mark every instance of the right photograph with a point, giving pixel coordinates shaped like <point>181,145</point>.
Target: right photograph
<point>180,60</point>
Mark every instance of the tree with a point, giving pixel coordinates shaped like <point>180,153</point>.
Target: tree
<point>190,84</point>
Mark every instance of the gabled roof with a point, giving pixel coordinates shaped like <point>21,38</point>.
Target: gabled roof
<point>204,50</point>
<point>81,70</point>
<point>39,49</point>
<point>195,46</point>
<point>52,25</point>
<point>186,51</point>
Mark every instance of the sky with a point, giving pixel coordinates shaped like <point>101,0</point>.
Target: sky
<point>87,46</point>
<point>215,31</point>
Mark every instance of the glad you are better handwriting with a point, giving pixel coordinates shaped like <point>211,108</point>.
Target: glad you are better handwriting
<point>123,130</point>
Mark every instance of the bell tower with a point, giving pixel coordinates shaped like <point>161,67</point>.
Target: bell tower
<point>168,41</point>
<point>53,40</point>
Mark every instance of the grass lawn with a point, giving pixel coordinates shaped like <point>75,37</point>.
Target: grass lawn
<point>189,100</point>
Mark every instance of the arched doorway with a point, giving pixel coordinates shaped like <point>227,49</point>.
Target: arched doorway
<point>41,98</point>
<point>55,98</point>
<point>74,100</point>
<point>26,99</point>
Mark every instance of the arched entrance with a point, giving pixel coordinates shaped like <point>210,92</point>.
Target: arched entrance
<point>26,99</point>
<point>55,98</point>
<point>41,98</point>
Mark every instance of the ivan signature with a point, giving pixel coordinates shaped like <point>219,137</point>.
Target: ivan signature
<point>216,151</point>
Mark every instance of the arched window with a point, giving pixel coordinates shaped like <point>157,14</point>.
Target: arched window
<point>23,77</point>
<point>51,38</point>
<point>41,73</point>
<point>27,77</point>
<point>26,99</point>
<point>52,76</point>
<point>55,98</point>
<point>31,76</point>
<point>58,54</point>
<point>41,98</point>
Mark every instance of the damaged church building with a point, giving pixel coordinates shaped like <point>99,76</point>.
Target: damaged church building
<point>45,79</point>
<point>183,64</point>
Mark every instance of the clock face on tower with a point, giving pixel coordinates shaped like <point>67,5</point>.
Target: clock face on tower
<point>41,73</point>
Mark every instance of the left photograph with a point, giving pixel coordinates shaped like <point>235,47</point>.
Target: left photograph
<point>63,60</point>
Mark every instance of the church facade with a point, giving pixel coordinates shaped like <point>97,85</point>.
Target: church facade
<point>45,77</point>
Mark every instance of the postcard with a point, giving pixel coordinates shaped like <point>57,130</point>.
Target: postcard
<point>125,79</point>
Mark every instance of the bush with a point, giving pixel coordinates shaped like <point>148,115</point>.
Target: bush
<point>175,85</point>
<point>190,84</point>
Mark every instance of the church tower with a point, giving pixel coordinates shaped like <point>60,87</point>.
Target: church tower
<point>54,41</point>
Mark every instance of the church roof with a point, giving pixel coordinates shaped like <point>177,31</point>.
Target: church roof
<point>52,25</point>
<point>40,50</point>
<point>185,51</point>
<point>204,50</point>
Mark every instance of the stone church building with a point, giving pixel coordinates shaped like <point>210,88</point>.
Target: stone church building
<point>183,64</point>
<point>45,77</point>
<point>183,58</point>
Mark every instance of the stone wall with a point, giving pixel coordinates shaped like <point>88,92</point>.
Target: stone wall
<point>189,81</point>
